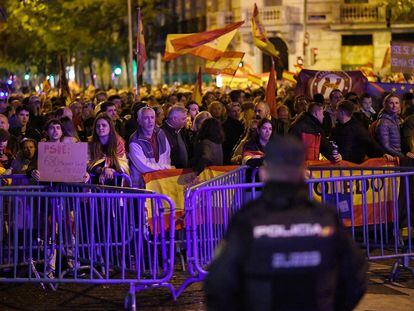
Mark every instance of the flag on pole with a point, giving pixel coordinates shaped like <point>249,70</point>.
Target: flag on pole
<point>210,51</point>
<point>197,39</point>
<point>251,75</point>
<point>197,93</point>
<point>271,89</point>
<point>141,52</point>
<point>386,62</point>
<point>228,63</point>
<point>260,37</point>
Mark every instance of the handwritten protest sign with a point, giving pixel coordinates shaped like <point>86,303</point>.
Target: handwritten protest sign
<point>402,57</point>
<point>62,162</point>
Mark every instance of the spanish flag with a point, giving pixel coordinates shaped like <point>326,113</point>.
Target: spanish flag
<point>197,94</point>
<point>260,37</point>
<point>251,75</point>
<point>141,52</point>
<point>201,38</point>
<point>210,51</point>
<point>227,64</point>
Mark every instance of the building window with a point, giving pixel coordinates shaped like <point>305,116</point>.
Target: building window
<point>272,2</point>
<point>357,51</point>
<point>355,1</point>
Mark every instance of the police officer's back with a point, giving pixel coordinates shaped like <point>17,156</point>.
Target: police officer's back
<point>283,251</point>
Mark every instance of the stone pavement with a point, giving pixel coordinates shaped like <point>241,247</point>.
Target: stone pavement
<point>381,295</point>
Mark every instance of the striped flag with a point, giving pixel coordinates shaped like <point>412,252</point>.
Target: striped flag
<point>141,52</point>
<point>260,37</point>
<point>197,44</point>
<point>197,93</point>
<point>198,39</point>
<point>227,64</point>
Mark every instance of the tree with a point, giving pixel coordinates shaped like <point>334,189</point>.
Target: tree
<point>36,32</point>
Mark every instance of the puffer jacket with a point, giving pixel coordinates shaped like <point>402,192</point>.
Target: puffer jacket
<point>387,133</point>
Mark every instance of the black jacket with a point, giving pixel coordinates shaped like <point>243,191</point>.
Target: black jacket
<point>179,153</point>
<point>354,142</point>
<point>284,252</point>
<point>233,131</point>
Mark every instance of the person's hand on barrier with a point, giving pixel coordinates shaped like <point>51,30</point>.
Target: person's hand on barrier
<point>410,155</point>
<point>86,177</point>
<point>337,157</point>
<point>35,175</point>
<point>389,157</point>
<point>4,158</point>
<point>107,173</point>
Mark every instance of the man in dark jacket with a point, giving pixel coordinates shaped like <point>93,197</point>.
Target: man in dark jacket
<point>283,251</point>
<point>174,129</point>
<point>353,140</point>
<point>308,128</point>
<point>233,130</point>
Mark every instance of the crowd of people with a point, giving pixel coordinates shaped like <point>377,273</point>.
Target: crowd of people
<point>167,130</point>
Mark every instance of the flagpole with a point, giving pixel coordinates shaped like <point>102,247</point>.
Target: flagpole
<point>131,53</point>
<point>138,53</point>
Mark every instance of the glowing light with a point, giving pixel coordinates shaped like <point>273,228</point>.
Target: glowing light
<point>26,76</point>
<point>219,81</point>
<point>9,82</point>
<point>117,71</point>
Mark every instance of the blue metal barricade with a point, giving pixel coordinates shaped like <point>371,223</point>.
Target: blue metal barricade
<point>375,208</point>
<point>89,234</point>
<point>120,180</point>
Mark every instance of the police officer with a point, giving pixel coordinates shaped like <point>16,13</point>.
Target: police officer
<point>283,251</point>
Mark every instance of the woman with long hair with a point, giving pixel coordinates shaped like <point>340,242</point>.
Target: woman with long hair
<point>106,151</point>
<point>253,150</point>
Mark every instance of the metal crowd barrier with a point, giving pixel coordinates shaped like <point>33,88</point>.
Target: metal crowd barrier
<point>86,234</point>
<point>120,179</point>
<point>375,208</point>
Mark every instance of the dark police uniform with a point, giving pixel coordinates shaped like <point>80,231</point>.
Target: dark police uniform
<point>285,252</point>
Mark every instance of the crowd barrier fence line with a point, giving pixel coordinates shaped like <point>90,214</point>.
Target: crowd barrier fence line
<point>377,223</point>
<point>86,234</point>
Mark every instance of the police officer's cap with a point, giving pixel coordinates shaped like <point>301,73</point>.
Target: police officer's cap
<point>285,151</point>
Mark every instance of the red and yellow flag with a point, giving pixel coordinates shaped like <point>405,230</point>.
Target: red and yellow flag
<point>227,64</point>
<point>271,90</point>
<point>197,94</point>
<point>209,45</point>
<point>260,37</point>
<point>201,38</point>
<point>141,52</point>
<point>251,75</point>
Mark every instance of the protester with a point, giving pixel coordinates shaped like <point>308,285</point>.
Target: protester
<point>308,128</point>
<point>233,130</point>
<point>6,157</point>
<point>178,139</point>
<point>24,130</point>
<point>352,138</point>
<point>387,131</point>
<point>253,151</point>
<point>106,152</point>
<point>149,149</point>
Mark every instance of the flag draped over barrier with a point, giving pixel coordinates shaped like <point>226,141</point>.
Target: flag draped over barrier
<point>209,45</point>
<point>227,64</point>
<point>351,197</point>
<point>260,37</point>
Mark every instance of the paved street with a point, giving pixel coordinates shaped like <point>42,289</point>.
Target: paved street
<point>381,296</point>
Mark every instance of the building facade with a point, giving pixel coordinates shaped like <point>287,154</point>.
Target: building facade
<point>323,34</point>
